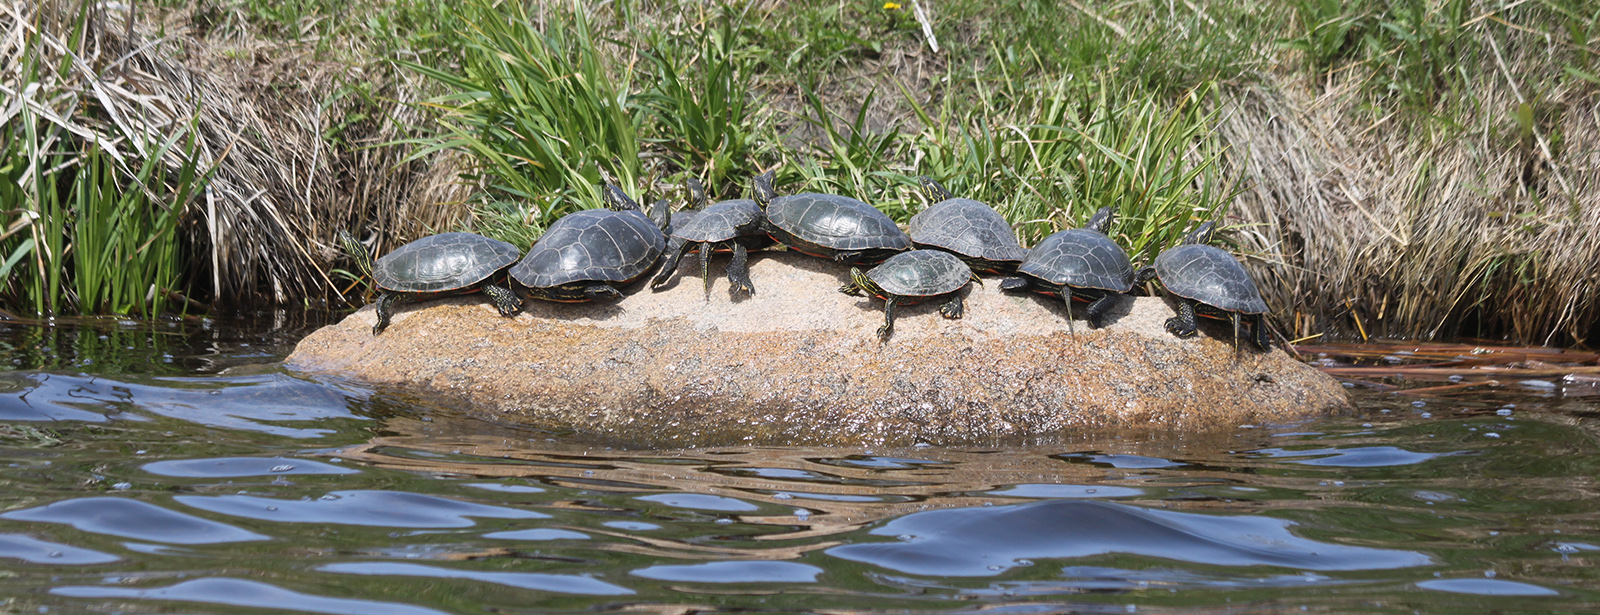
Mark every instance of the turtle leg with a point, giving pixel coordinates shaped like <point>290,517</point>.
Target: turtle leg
<point>1018,283</point>
<point>848,258</point>
<point>888,320</point>
<point>851,289</point>
<point>1259,324</point>
<point>955,307</point>
<point>739,271</point>
<point>1183,325</point>
<point>1066,297</point>
<point>1098,308</point>
<point>1236,325</point>
<point>602,292</point>
<point>386,303</point>
<point>504,300</point>
<point>675,252</point>
<point>705,264</point>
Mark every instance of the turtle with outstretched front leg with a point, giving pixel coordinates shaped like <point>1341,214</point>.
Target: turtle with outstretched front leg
<point>1080,264</point>
<point>1209,282</point>
<point>913,277</point>
<point>829,225</point>
<point>735,225</point>
<point>967,228</point>
<point>588,254</point>
<point>442,265</point>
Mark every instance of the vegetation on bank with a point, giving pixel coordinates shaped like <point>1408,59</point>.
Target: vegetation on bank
<point>1390,168</point>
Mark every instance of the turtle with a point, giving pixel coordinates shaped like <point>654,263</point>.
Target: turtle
<point>1208,282</point>
<point>1080,263</point>
<point>734,224</point>
<point>587,254</point>
<point>967,228</point>
<point>442,265</point>
<point>829,226</point>
<point>913,277</point>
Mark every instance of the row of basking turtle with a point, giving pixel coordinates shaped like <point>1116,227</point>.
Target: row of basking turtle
<point>589,255</point>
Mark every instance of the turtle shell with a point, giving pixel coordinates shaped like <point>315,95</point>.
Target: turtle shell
<point>592,245</point>
<point>968,228</point>
<point>1210,275</point>
<point>1080,258</point>
<point>836,222</point>
<point>721,221</point>
<point>921,273</point>
<point>443,262</point>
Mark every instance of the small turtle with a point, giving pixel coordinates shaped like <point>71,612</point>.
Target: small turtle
<point>967,228</point>
<point>1080,263</point>
<point>587,254</point>
<point>913,277</point>
<point>735,225</point>
<point>441,265</point>
<point>829,225</point>
<point>1209,282</point>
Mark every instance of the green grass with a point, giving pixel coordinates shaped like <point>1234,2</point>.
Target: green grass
<point>540,112</point>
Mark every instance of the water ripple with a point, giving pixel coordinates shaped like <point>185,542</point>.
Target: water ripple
<point>370,508</point>
<point>986,541</point>
<point>556,583</point>
<point>733,572</point>
<point>35,551</point>
<point>239,592</point>
<point>1361,457</point>
<point>134,519</point>
<point>1486,587</point>
<point>234,467</point>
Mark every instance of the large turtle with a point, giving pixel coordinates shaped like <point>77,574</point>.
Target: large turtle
<point>444,264</point>
<point>1209,282</point>
<point>967,228</point>
<point>829,225</point>
<point>587,254</point>
<point>735,225</point>
<point>1080,263</point>
<point>913,277</point>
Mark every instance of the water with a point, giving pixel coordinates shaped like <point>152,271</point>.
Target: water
<point>174,468</point>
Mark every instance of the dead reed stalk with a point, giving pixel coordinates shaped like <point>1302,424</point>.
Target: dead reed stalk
<point>265,227</point>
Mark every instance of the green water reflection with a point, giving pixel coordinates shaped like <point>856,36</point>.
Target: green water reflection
<point>173,468</point>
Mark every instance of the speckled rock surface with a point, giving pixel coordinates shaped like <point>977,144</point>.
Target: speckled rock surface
<point>799,363</point>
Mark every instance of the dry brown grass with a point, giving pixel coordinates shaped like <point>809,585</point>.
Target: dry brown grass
<point>1366,229</point>
<point>265,227</point>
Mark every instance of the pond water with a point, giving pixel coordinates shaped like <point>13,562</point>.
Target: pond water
<point>174,467</point>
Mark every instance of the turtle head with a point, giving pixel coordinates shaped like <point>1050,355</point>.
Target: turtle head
<point>1201,234</point>
<point>661,214</point>
<point>861,281</point>
<point>357,252</point>
<point>935,192</point>
<point>1100,222</point>
<point>697,193</point>
<point>616,199</point>
<point>762,185</point>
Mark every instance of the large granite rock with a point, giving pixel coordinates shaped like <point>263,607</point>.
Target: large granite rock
<point>799,363</point>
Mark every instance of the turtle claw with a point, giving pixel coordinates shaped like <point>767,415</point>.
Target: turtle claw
<point>1175,326</point>
<point>884,332</point>
<point>1012,284</point>
<point>954,308</point>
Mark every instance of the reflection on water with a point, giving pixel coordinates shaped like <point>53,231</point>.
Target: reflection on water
<point>209,482</point>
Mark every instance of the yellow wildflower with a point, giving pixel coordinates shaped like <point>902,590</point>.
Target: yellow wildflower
<point>891,6</point>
